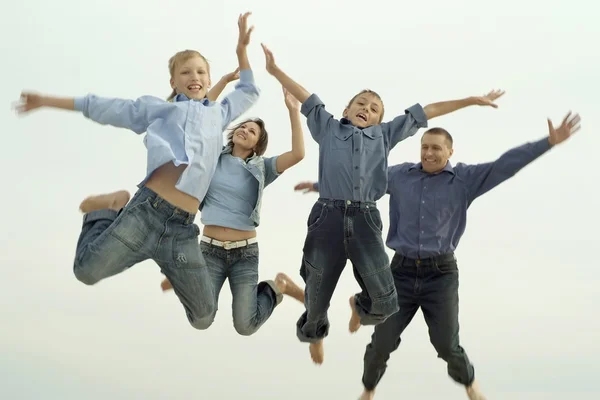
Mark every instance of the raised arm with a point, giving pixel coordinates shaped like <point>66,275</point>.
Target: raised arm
<point>217,89</point>
<point>129,114</point>
<point>404,126</point>
<point>246,93</point>
<point>434,110</point>
<point>288,83</point>
<point>294,156</point>
<point>317,118</point>
<point>481,178</point>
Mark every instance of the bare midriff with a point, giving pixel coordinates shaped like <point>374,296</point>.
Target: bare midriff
<point>227,234</point>
<point>163,180</point>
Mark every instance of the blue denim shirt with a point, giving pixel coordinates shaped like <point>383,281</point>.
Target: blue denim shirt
<point>428,212</point>
<point>181,132</point>
<point>234,197</point>
<point>353,162</point>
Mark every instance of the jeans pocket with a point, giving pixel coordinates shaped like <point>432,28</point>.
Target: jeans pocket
<point>317,216</point>
<point>373,218</point>
<point>134,225</point>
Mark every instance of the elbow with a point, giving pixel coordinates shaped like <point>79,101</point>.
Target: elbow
<point>298,156</point>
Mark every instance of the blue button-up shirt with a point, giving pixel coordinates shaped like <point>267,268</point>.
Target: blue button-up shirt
<point>353,162</point>
<point>181,132</point>
<point>428,212</point>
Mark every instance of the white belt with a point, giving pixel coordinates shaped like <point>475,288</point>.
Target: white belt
<point>227,245</point>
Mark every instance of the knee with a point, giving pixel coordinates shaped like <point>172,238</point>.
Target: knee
<point>86,275</point>
<point>244,328</point>
<point>202,323</point>
<point>444,348</point>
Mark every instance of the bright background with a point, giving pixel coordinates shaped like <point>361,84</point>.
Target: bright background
<point>529,259</point>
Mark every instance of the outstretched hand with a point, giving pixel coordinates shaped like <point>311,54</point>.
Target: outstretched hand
<point>245,32</point>
<point>28,102</point>
<point>569,126</point>
<point>488,99</point>
<point>305,187</point>
<point>270,60</point>
<point>291,102</point>
<point>232,76</point>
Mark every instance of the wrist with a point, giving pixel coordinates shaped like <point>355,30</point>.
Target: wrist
<point>240,49</point>
<point>470,101</point>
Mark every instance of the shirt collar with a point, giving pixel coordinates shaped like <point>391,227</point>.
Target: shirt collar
<point>229,149</point>
<point>183,97</point>
<point>447,168</point>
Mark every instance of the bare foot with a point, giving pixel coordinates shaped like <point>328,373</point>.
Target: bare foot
<point>367,395</point>
<point>114,201</point>
<point>354,323</point>
<point>316,352</point>
<point>165,285</point>
<point>474,392</point>
<point>287,286</point>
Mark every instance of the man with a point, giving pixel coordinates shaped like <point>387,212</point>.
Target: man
<point>428,207</point>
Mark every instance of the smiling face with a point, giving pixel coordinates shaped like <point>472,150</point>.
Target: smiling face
<point>436,149</point>
<point>191,76</point>
<point>365,109</point>
<point>249,137</point>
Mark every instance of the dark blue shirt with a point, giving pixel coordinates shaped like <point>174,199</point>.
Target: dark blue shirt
<point>428,212</point>
<point>353,162</point>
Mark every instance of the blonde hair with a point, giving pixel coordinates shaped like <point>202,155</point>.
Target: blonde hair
<point>180,58</point>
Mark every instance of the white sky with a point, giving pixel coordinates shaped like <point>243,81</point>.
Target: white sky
<point>529,259</point>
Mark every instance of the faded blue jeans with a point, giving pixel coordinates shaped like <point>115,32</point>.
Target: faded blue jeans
<point>148,227</point>
<point>253,302</point>
<point>338,231</point>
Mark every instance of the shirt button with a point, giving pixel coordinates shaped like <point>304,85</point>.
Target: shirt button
<point>356,167</point>
<point>422,232</point>
<point>423,202</point>
<point>421,246</point>
<point>356,150</point>
<point>348,202</point>
<point>424,187</point>
<point>422,216</point>
<point>356,187</point>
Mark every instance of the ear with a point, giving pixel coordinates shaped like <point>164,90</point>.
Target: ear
<point>451,152</point>
<point>345,113</point>
<point>172,81</point>
<point>209,83</point>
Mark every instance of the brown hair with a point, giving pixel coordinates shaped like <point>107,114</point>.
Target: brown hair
<point>371,92</point>
<point>178,59</point>
<point>263,139</point>
<point>443,132</point>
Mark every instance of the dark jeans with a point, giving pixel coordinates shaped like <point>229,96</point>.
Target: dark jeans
<point>431,284</point>
<point>339,230</point>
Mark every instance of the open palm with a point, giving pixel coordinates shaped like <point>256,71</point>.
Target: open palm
<point>569,126</point>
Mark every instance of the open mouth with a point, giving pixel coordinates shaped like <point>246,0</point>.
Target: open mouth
<point>194,88</point>
<point>241,135</point>
<point>362,117</point>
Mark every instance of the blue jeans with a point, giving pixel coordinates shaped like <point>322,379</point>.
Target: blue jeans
<point>431,284</point>
<point>148,228</point>
<point>253,302</point>
<point>339,230</point>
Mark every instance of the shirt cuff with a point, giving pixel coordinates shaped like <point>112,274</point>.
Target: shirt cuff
<point>79,103</point>
<point>247,76</point>
<point>316,186</point>
<point>310,103</point>
<point>542,146</point>
<point>273,165</point>
<point>418,114</point>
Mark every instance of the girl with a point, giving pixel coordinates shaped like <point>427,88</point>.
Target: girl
<point>230,214</point>
<point>184,142</point>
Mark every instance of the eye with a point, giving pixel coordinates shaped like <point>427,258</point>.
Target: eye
<point>185,72</point>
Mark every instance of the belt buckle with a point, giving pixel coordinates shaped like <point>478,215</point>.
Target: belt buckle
<point>229,245</point>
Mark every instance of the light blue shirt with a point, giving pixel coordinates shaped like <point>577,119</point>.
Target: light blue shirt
<point>234,196</point>
<point>353,162</point>
<point>182,132</point>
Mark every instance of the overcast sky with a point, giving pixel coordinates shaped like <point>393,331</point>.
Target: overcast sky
<point>528,261</point>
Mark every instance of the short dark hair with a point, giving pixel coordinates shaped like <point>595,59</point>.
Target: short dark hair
<point>441,131</point>
<point>263,138</point>
<point>371,92</point>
